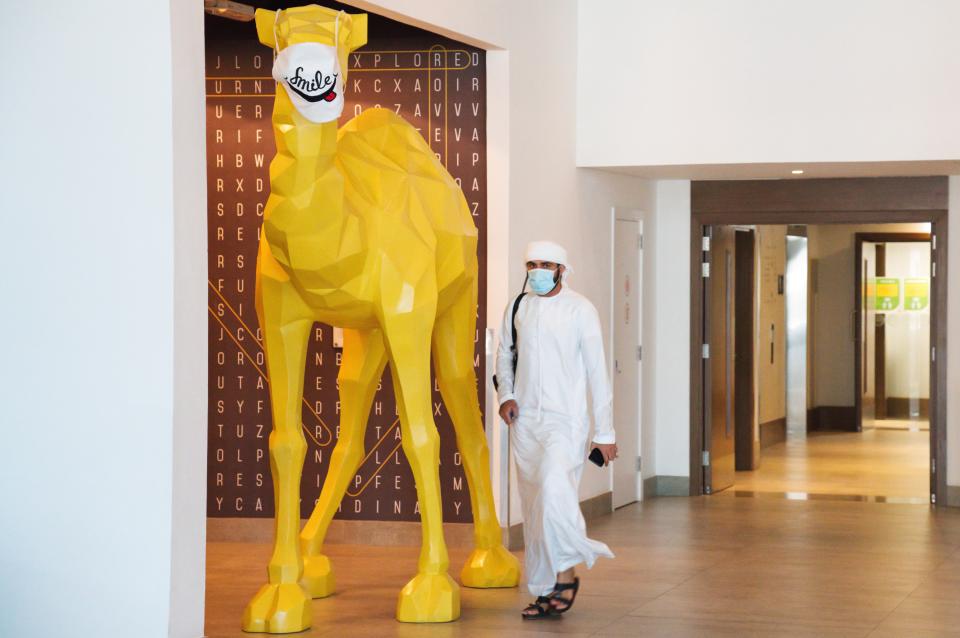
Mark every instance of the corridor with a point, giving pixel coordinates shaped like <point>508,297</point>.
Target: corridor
<point>883,462</point>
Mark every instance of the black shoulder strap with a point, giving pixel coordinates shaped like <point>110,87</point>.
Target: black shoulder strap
<point>513,333</point>
<point>513,319</point>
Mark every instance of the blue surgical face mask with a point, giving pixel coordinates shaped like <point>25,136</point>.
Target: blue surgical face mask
<point>541,280</point>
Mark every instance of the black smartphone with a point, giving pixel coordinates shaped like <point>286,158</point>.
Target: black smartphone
<point>596,456</point>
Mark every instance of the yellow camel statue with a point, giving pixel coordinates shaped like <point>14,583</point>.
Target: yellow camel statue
<point>365,229</point>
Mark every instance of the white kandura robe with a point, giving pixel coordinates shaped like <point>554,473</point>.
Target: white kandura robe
<point>560,349</point>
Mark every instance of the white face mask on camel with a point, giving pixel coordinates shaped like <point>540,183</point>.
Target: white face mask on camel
<point>310,74</point>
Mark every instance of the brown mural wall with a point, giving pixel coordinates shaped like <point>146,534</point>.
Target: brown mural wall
<point>439,86</point>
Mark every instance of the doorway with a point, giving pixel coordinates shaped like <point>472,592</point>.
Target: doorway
<point>627,352</point>
<point>893,330</point>
<point>840,206</point>
<point>886,457</point>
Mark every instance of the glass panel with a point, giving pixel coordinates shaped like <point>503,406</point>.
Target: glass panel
<point>796,309</point>
<point>907,334</point>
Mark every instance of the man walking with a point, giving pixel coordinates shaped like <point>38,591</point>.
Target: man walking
<point>542,382</point>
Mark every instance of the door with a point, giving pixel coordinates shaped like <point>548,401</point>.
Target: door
<point>747,445</point>
<point>879,341</point>
<point>867,327</point>
<point>719,422</point>
<point>627,252</point>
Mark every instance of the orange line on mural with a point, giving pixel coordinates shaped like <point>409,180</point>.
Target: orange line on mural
<point>267,379</point>
<point>230,308</point>
<point>360,70</point>
<point>375,473</point>
<point>434,48</point>
<point>370,52</point>
<point>253,336</point>
<point>377,444</point>
<point>242,349</point>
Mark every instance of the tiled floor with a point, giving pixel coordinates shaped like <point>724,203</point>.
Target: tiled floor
<point>709,566</point>
<point>875,462</point>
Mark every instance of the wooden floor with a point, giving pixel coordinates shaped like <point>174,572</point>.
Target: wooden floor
<point>709,566</point>
<point>897,424</point>
<point>875,462</point>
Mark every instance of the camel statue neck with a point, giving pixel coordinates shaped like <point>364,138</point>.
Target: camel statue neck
<point>313,146</point>
<point>306,187</point>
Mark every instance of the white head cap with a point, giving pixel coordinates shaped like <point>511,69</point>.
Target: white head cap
<point>548,251</point>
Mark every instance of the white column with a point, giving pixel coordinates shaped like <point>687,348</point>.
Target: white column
<point>671,342</point>
<point>953,336</point>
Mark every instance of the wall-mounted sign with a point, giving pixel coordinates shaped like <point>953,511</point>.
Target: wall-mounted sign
<point>887,294</point>
<point>916,294</point>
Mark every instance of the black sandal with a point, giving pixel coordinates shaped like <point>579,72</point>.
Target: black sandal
<point>543,608</point>
<point>556,597</point>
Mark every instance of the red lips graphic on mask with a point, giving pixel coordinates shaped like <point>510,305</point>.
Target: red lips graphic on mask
<point>304,86</point>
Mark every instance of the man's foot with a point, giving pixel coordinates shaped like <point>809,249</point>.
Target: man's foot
<point>540,608</point>
<point>561,600</point>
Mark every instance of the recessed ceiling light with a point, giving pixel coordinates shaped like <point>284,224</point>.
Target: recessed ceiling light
<point>797,171</point>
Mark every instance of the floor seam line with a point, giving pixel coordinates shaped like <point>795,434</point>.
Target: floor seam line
<point>911,592</point>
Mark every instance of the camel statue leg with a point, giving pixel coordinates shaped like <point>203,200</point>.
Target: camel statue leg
<point>281,606</point>
<point>431,596</point>
<point>364,357</point>
<point>490,564</point>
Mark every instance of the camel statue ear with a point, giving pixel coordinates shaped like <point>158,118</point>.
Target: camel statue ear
<point>265,20</point>
<point>358,31</point>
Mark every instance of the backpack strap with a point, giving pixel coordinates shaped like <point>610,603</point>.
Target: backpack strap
<point>513,327</point>
<point>513,334</point>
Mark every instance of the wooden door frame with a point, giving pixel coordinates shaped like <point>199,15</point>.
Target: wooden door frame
<point>881,200</point>
<point>877,238</point>
<point>746,447</point>
<point>880,353</point>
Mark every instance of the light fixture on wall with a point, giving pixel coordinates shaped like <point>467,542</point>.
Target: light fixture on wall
<point>797,171</point>
<point>228,9</point>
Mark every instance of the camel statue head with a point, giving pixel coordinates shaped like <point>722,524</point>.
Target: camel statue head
<point>311,45</point>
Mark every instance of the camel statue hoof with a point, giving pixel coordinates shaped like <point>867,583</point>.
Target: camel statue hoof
<point>490,568</point>
<point>429,598</point>
<point>278,609</point>
<point>317,577</point>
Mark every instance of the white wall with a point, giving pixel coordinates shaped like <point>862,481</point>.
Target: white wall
<point>590,233</point>
<point>767,81</point>
<point>666,372</point>
<point>189,480</point>
<point>953,337</point>
<point>738,88</point>
<point>95,323</point>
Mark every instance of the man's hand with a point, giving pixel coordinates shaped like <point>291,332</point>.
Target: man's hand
<point>609,451</point>
<point>509,411</point>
